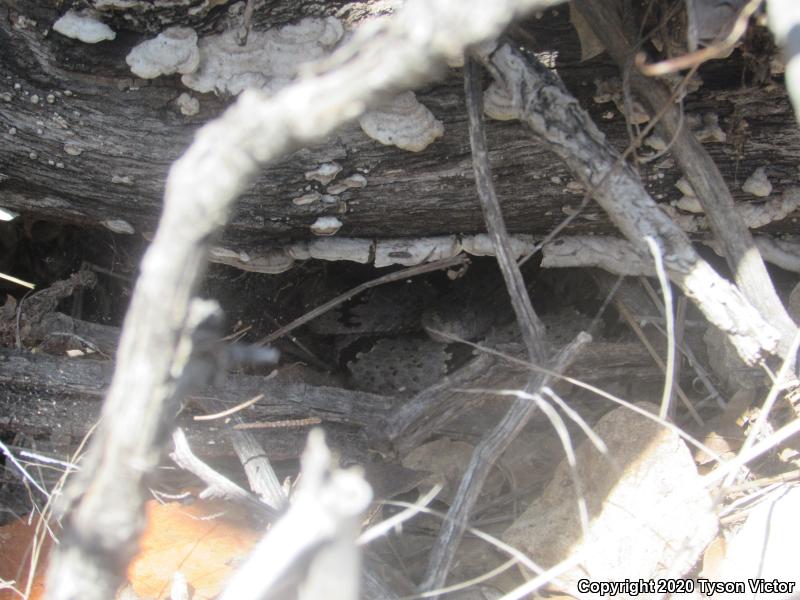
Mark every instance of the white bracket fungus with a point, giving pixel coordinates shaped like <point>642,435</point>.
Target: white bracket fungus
<point>414,251</point>
<point>709,130</point>
<point>188,105</point>
<point>325,226</point>
<point>299,250</point>
<point>480,244</point>
<point>758,184</point>
<point>754,215</point>
<point>306,199</point>
<point>268,60</point>
<point>332,249</point>
<point>615,255</point>
<point>404,122</point>
<point>685,187</point>
<point>72,149</point>
<point>500,104</point>
<point>354,181</point>
<point>118,226</point>
<point>272,261</point>
<point>689,204</point>
<point>758,215</point>
<point>83,27</point>
<point>325,173</point>
<point>171,51</point>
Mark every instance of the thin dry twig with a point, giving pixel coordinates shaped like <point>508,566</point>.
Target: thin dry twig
<point>694,59</point>
<point>669,372</point>
<point>625,313</point>
<point>315,539</point>
<point>589,387</point>
<point>382,528</point>
<point>217,485</point>
<point>284,424</point>
<point>531,329</point>
<point>782,378</point>
<point>230,411</point>
<point>542,101</point>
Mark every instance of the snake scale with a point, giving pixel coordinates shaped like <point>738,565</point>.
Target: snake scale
<point>386,339</point>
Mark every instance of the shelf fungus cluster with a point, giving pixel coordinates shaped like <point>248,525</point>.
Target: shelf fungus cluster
<point>172,51</point>
<point>403,122</point>
<point>500,104</point>
<point>84,27</point>
<point>754,215</point>
<point>217,63</point>
<point>268,61</point>
<point>380,252</point>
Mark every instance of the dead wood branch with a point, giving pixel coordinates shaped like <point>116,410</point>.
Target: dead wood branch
<point>217,485</point>
<point>701,171</point>
<point>531,327</point>
<point>417,419</point>
<point>105,501</point>
<point>255,461</point>
<point>614,255</point>
<point>50,395</point>
<point>532,330</point>
<point>315,541</point>
<point>486,453</point>
<point>554,115</point>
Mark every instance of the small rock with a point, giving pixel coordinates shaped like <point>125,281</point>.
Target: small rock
<point>447,460</point>
<point>765,547</point>
<point>650,515</point>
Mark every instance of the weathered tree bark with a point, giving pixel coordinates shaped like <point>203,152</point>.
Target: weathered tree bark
<point>46,396</point>
<point>130,130</point>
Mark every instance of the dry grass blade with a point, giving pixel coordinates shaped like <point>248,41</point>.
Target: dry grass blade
<point>387,525</point>
<point>532,331</point>
<point>591,388</point>
<point>229,411</point>
<point>669,374</point>
<point>750,449</point>
<point>710,52</point>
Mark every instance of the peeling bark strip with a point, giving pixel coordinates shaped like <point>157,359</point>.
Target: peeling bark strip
<point>555,116</point>
<point>106,499</point>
